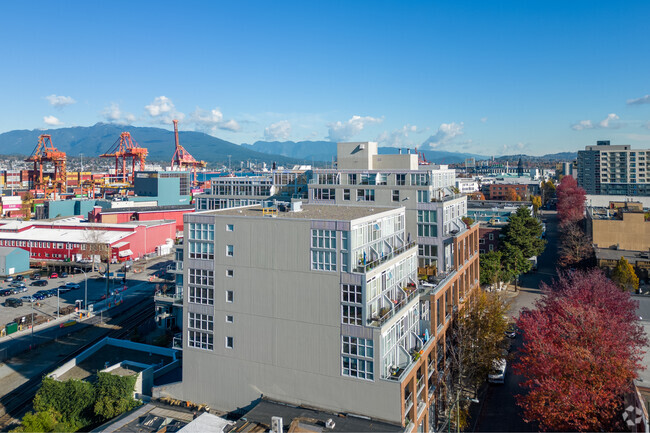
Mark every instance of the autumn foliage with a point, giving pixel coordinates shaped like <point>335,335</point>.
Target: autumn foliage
<point>582,349</point>
<point>570,201</point>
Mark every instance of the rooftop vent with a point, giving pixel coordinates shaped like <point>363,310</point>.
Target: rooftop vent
<point>296,206</point>
<point>330,424</point>
<point>276,424</point>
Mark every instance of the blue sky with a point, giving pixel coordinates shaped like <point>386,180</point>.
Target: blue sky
<point>483,77</point>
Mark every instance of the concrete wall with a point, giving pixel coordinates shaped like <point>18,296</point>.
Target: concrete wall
<point>395,162</point>
<point>286,330</point>
<point>355,156</point>
<point>14,262</point>
<point>631,233</point>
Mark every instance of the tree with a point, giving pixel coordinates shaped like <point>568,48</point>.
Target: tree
<point>73,399</point>
<point>45,421</point>
<point>537,203</point>
<point>625,277</point>
<point>114,395</point>
<point>491,272</point>
<point>26,206</point>
<point>524,232</point>
<point>575,247</point>
<point>511,195</point>
<point>548,190</point>
<point>514,263</point>
<point>582,348</point>
<point>570,201</point>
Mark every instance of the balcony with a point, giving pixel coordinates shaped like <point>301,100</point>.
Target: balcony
<point>363,268</point>
<point>177,342</point>
<point>176,298</point>
<point>408,403</point>
<point>385,313</point>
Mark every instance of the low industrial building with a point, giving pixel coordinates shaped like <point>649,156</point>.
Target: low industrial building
<point>119,215</point>
<point>13,261</point>
<point>70,239</point>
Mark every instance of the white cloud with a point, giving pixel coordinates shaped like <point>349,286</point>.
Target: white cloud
<point>446,132</point>
<point>609,122</point>
<point>278,131</point>
<point>583,124</point>
<point>52,121</point>
<point>605,123</point>
<point>639,101</point>
<point>211,121</point>
<point>484,119</point>
<point>113,114</point>
<point>344,131</point>
<point>399,137</point>
<point>60,101</point>
<point>162,109</point>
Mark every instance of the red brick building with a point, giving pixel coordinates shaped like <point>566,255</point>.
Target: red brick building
<point>500,191</point>
<point>488,237</point>
<point>124,215</point>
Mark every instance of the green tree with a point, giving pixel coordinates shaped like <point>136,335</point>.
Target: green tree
<point>524,232</point>
<point>491,269</point>
<point>537,203</point>
<point>514,263</point>
<point>114,395</point>
<point>44,421</point>
<point>73,399</point>
<point>625,277</point>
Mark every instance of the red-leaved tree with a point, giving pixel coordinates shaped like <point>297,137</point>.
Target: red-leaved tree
<point>570,201</point>
<point>582,349</point>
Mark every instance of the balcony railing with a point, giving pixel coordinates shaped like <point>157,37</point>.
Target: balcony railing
<point>173,297</point>
<point>398,304</point>
<point>408,403</point>
<point>365,267</point>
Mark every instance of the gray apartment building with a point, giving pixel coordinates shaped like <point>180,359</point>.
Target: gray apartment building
<point>606,169</point>
<point>363,177</point>
<point>318,305</point>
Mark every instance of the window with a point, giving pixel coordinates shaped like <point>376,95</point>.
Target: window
<point>230,296</point>
<point>423,196</point>
<point>229,342</point>
<point>200,321</point>
<point>351,294</point>
<point>481,241</point>
<point>229,250</point>
<point>230,273</point>
<point>324,194</point>
<point>354,351</point>
<point>359,368</point>
<point>352,179</point>
<point>323,253</point>
<point>400,179</point>
<point>396,195</point>
<point>323,239</point>
<point>201,232</point>
<point>229,319</point>
<point>323,260</point>
<point>491,236</point>
<point>365,195</point>
<point>199,340</point>
<point>357,347</point>
<point>202,277</point>
<point>346,194</point>
<point>351,315</point>
<point>201,295</point>
<point>491,247</point>
<point>201,250</point>
<point>230,227</point>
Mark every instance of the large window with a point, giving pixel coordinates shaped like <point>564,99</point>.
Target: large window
<point>351,315</point>
<point>351,294</point>
<point>201,250</point>
<point>400,179</point>
<point>200,340</point>
<point>201,295</point>
<point>323,253</point>
<point>365,195</point>
<point>357,357</point>
<point>200,321</point>
<point>324,194</point>
<point>201,232</point>
<point>202,277</point>
<point>423,196</point>
<point>346,194</point>
<point>427,223</point>
<point>396,195</point>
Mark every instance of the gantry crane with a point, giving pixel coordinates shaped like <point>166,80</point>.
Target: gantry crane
<point>46,152</point>
<point>182,158</point>
<point>124,148</point>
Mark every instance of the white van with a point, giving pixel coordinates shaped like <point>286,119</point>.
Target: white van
<point>498,372</point>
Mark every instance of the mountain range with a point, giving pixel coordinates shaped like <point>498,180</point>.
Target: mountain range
<point>99,138</point>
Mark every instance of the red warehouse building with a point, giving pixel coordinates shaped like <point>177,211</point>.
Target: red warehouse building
<point>70,239</point>
<point>152,213</point>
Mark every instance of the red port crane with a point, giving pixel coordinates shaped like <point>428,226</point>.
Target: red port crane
<point>123,149</point>
<point>46,152</point>
<point>183,159</point>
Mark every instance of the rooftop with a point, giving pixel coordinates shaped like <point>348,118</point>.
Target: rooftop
<point>148,209</point>
<point>309,212</point>
<point>306,419</point>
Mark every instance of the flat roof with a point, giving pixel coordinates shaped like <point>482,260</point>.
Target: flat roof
<point>309,211</point>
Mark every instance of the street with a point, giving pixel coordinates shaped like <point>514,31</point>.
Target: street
<point>498,411</point>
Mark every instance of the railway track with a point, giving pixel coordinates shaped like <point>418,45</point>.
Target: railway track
<point>17,401</point>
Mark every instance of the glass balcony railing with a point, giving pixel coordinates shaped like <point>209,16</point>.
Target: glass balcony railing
<point>364,267</point>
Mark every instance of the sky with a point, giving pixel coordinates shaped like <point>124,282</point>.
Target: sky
<point>490,78</point>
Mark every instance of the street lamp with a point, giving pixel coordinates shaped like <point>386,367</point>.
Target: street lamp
<point>456,403</point>
<point>58,303</point>
<point>86,291</point>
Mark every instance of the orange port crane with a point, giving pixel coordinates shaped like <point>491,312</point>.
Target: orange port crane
<point>182,158</point>
<point>124,148</point>
<point>46,152</point>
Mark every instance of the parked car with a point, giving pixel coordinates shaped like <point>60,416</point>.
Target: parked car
<point>63,275</point>
<point>9,279</point>
<point>498,372</point>
<point>28,298</point>
<point>19,289</point>
<point>53,292</point>
<point>42,293</point>
<point>13,302</point>
<point>18,284</point>
<point>54,275</point>
<point>39,283</point>
<point>63,289</point>
<point>39,296</point>
<point>511,331</point>
<point>73,286</point>
<point>35,276</point>
<point>19,278</point>
<point>6,292</point>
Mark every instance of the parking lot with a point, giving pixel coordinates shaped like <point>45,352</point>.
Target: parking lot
<point>47,308</point>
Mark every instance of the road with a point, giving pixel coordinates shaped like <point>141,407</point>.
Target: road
<point>498,411</point>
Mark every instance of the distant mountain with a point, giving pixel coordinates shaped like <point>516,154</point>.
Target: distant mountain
<point>551,157</point>
<point>97,139</point>
<point>326,150</point>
